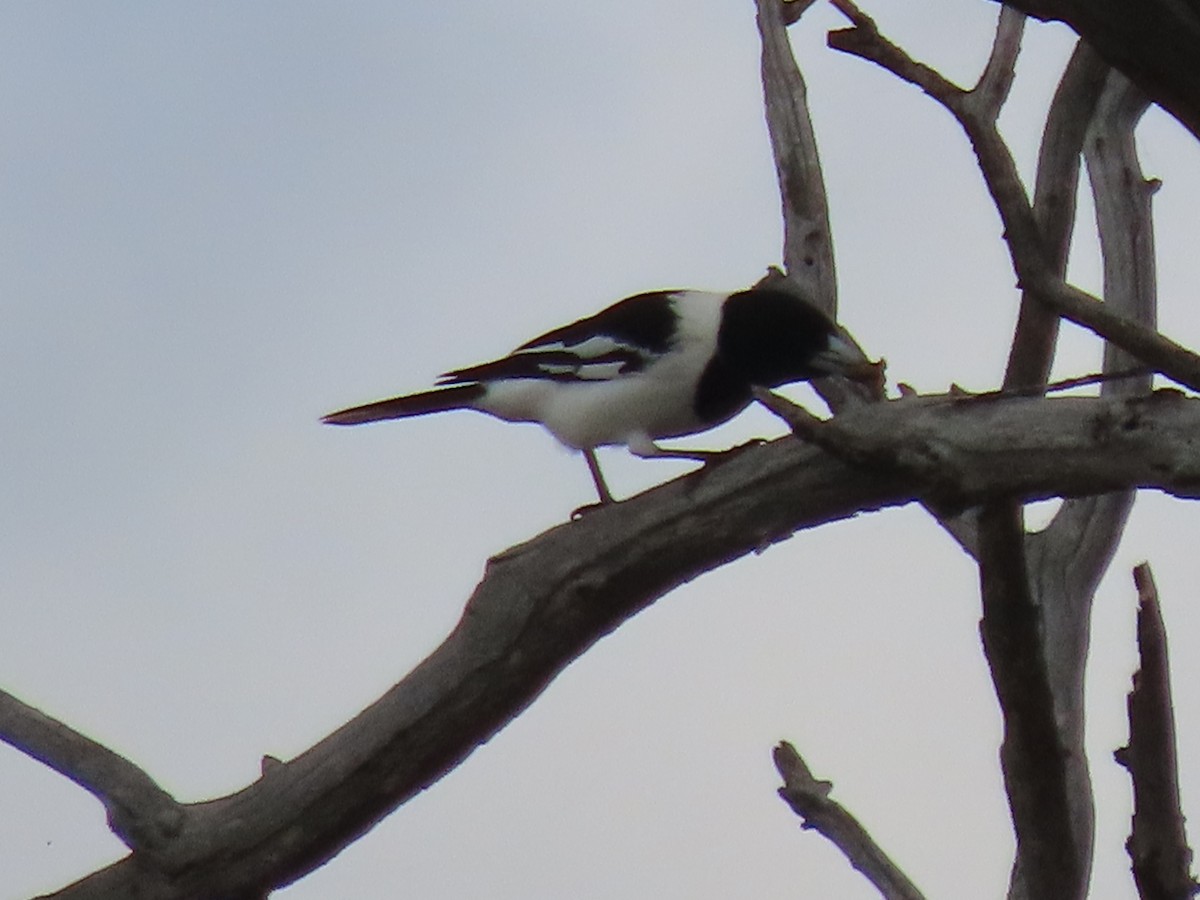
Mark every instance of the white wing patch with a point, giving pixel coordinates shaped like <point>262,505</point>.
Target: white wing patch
<point>596,346</point>
<point>605,371</point>
<point>556,369</point>
<point>601,357</point>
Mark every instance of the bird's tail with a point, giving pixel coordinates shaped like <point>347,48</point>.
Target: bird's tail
<point>460,396</point>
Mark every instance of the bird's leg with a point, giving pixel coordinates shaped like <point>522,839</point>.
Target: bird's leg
<point>589,453</point>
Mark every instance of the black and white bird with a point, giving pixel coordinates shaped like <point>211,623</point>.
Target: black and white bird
<point>657,365</point>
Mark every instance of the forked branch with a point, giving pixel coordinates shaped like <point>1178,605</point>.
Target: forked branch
<point>141,813</point>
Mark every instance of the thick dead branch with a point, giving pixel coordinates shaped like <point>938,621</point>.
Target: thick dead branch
<point>1158,845</point>
<point>809,799</point>
<point>897,441</point>
<point>543,603</point>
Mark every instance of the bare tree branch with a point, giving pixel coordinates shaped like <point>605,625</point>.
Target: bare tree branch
<point>987,98</point>
<point>543,603</point>
<point>1054,192</point>
<point>863,39</point>
<point>1034,272</point>
<point>1123,213</point>
<point>1068,558</point>
<point>1156,350</point>
<point>809,799</point>
<point>807,240</point>
<point>1071,555</point>
<point>1048,790</point>
<point>1043,760</point>
<point>1038,240</point>
<point>1158,845</point>
<point>1052,860</point>
<point>141,813</point>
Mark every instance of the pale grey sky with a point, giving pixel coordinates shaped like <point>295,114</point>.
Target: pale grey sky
<point>220,220</point>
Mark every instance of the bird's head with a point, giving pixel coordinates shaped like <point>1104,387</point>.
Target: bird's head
<point>772,336</point>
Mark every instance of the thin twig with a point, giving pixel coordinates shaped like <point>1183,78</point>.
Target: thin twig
<point>809,799</point>
<point>141,813</point>
<point>1158,844</point>
<point>1064,384</point>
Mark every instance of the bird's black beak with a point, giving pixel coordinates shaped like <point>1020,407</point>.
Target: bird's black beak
<point>843,357</point>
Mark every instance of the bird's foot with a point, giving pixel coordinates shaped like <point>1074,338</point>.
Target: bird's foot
<point>577,514</point>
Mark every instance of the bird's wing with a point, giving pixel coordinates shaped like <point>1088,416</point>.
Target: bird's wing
<point>599,361</point>
<point>619,340</point>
